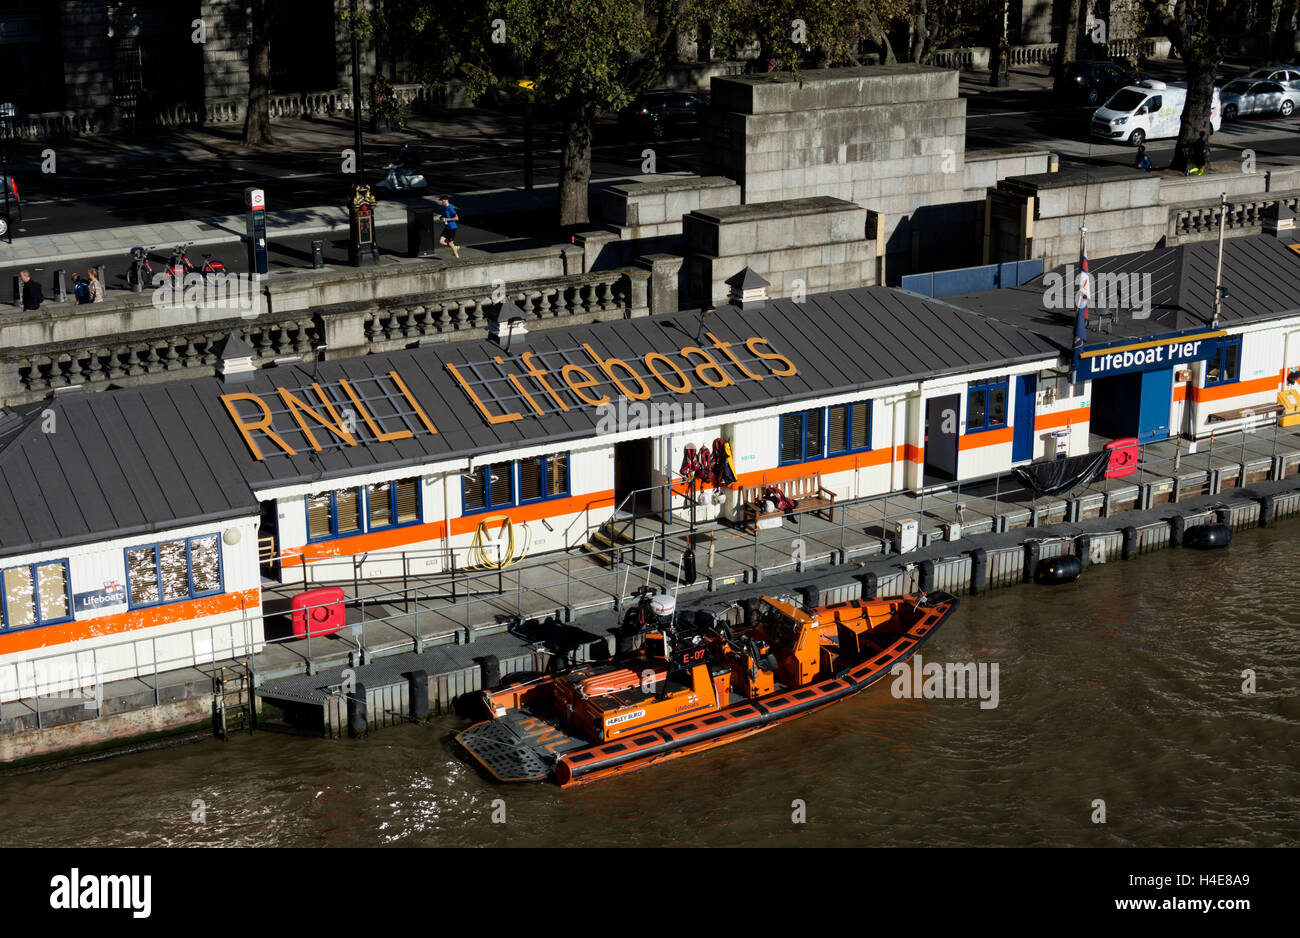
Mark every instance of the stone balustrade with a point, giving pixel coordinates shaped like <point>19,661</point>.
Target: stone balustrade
<point>1199,221</point>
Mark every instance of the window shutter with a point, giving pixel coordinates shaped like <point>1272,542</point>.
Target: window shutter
<point>142,575</point>
<point>379,505</point>
<point>475,497</point>
<point>347,506</point>
<point>205,563</point>
<point>838,430</point>
<point>814,433</point>
<point>408,501</point>
<point>502,483</point>
<point>861,436</point>
<point>791,438</point>
<point>173,565</point>
<point>318,516</point>
<point>998,409</point>
<point>530,479</point>
<point>557,478</point>
<point>20,606</point>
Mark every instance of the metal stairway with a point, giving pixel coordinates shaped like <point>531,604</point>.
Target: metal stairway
<point>232,699</point>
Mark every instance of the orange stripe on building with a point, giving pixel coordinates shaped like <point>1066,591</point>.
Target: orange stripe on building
<point>117,623</point>
<point>985,438</point>
<point>1239,388</point>
<point>1063,418</point>
<point>393,538</point>
<point>1180,393</point>
<point>907,452</point>
<point>845,463</point>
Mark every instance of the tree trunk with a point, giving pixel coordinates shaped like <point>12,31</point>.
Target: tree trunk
<point>1284,39</point>
<point>919,34</point>
<point>575,164</point>
<point>1201,73</point>
<point>1068,49</point>
<point>257,122</point>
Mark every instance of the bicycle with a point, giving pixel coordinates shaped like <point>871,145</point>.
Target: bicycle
<point>181,265</point>
<point>140,273</point>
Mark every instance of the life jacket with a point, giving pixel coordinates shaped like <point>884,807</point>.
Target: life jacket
<point>723,470</point>
<point>704,467</point>
<point>690,463</point>
<point>778,498</point>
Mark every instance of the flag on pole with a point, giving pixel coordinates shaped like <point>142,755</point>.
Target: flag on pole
<point>1081,298</point>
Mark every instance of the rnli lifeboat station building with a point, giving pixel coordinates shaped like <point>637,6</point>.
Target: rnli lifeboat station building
<point>138,513</point>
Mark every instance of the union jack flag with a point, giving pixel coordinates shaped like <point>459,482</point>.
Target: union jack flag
<point>1081,300</point>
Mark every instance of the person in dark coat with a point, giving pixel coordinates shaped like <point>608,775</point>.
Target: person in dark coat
<point>32,295</point>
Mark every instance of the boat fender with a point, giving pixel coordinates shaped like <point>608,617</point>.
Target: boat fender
<point>357,710</point>
<point>870,586</point>
<point>1032,551</point>
<point>418,693</point>
<point>1130,548</point>
<point>1266,508</point>
<point>1177,531</point>
<point>979,570</point>
<point>489,671</point>
<point>688,566</point>
<point>1208,536</point>
<point>1083,549</point>
<point>1052,571</point>
<point>810,595</point>
<point>925,578</point>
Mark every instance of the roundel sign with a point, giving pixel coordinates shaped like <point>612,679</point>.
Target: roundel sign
<point>1123,457</point>
<point>256,198</point>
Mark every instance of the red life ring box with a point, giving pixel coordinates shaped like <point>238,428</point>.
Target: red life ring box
<point>1123,457</point>
<point>318,612</point>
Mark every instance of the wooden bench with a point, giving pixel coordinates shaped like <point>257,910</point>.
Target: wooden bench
<point>1258,410</point>
<point>807,491</point>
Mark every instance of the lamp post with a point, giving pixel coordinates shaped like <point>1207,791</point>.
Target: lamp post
<point>361,208</point>
<point>1218,268</point>
<point>528,87</point>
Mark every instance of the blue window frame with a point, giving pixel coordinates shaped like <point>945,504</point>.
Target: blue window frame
<point>1224,366</point>
<point>173,571</point>
<point>802,436</point>
<point>35,594</point>
<point>503,485</point>
<point>848,428</point>
<point>374,507</point>
<point>986,405</point>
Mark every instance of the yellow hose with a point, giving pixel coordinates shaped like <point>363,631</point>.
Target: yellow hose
<point>478,554</point>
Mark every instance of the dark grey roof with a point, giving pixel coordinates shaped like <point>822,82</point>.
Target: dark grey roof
<point>1260,273</point>
<point>128,461</point>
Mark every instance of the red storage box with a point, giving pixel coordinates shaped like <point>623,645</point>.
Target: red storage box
<point>323,607</point>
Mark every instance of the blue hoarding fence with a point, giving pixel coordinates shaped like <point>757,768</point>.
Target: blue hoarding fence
<point>971,279</point>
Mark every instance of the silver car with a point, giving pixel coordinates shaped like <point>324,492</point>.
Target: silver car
<point>1245,96</point>
<point>1286,74</point>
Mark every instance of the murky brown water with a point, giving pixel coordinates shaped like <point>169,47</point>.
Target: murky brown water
<point>1125,686</point>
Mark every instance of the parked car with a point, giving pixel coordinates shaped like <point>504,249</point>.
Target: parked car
<point>1243,96</point>
<point>1147,110</point>
<point>1092,82</point>
<point>661,114</point>
<point>11,209</point>
<point>1286,74</point>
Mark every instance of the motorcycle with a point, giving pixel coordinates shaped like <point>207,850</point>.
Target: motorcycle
<point>401,179</point>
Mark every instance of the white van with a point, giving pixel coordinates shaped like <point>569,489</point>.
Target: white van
<point>1146,111</point>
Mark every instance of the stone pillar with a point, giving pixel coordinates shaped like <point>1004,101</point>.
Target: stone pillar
<point>637,284</point>
<point>345,334</point>
<point>87,54</point>
<point>225,54</point>
<point>664,284</point>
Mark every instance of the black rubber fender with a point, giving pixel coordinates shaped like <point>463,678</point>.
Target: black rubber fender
<point>1053,571</point>
<point>1208,537</point>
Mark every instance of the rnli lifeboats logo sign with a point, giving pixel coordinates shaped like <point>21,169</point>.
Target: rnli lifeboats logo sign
<point>501,390</point>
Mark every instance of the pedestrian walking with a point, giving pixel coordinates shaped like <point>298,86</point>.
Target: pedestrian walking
<point>450,219</point>
<point>80,289</point>
<point>1201,153</point>
<point>1143,162</point>
<point>32,295</point>
<point>96,286</point>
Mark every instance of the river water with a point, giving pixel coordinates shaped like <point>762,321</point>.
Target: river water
<point>1125,687</point>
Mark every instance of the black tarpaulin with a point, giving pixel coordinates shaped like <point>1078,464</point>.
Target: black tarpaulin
<point>1061,475</point>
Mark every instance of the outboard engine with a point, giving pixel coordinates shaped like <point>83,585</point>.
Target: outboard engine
<point>654,611</point>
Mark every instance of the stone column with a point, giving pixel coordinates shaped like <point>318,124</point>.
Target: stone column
<point>664,283</point>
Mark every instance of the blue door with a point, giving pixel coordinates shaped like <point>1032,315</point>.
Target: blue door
<point>1022,442</point>
<point>1153,412</point>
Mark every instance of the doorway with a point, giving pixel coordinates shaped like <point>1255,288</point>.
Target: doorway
<point>268,540</point>
<point>1135,405</point>
<point>942,418</point>
<point>1022,441</point>
<point>633,461</point>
